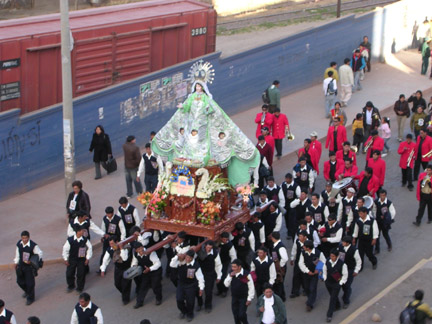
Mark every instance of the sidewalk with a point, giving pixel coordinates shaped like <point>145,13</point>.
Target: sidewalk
<point>42,211</point>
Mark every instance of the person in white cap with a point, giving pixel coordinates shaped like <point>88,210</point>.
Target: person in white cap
<point>316,144</point>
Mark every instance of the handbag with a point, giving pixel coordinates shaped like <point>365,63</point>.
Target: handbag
<point>111,165</point>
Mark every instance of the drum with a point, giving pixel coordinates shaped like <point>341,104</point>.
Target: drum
<point>368,202</point>
<point>343,185</point>
<point>132,272</point>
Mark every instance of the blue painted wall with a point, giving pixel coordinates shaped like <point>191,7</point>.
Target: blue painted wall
<point>31,146</point>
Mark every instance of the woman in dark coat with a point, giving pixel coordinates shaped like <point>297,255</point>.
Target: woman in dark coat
<point>101,148</point>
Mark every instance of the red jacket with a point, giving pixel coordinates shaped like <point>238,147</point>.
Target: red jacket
<point>420,179</point>
<point>339,163</point>
<point>314,157</point>
<point>318,147</point>
<point>270,141</point>
<point>279,125</point>
<point>378,144</point>
<point>352,172</point>
<point>426,147</point>
<point>341,138</point>
<point>351,155</point>
<point>373,184</point>
<point>268,121</point>
<point>267,152</point>
<point>405,150</point>
<point>379,169</point>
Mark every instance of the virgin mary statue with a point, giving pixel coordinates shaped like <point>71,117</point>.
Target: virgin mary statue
<point>201,134</point>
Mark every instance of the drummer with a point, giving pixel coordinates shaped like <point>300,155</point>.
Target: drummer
<point>346,152</point>
<point>348,169</point>
<point>326,198</point>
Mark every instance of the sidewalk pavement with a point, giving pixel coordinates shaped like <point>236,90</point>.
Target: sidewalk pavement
<point>42,211</point>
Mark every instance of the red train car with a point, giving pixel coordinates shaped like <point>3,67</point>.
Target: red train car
<point>110,45</point>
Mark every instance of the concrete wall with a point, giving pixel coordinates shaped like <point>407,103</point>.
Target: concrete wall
<point>31,145</point>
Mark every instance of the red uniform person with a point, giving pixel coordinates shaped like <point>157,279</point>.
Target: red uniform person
<point>348,169</point>
<point>378,166</point>
<point>268,138</point>
<point>262,119</point>
<point>279,129</point>
<point>424,196</point>
<point>406,150</point>
<point>368,183</point>
<point>346,153</point>
<point>331,167</point>
<point>377,144</point>
<point>423,147</point>
<point>336,136</point>
<point>316,144</point>
<point>311,155</point>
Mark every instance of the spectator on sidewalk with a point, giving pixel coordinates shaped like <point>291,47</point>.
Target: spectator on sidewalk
<point>280,128</point>
<point>263,119</point>
<point>346,82</point>
<point>371,119</point>
<point>78,200</point>
<point>417,100</point>
<point>274,96</point>
<point>337,111</point>
<point>315,144</point>
<point>358,131</point>
<point>423,311</point>
<point>402,111</point>
<point>333,68</point>
<point>330,92</point>
<point>418,121</point>
<point>101,148</point>
<point>426,53</point>
<point>357,65</point>
<point>150,166</point>
<point>385,133</point>
<point>132,158</point>
<point>367,45</point>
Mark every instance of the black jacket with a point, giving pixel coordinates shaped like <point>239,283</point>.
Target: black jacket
<point>417,102</point>
<point>376,117</point>
<point>101,145</point>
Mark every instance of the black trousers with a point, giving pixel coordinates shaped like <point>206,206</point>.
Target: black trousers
<point>333,289</point>
<point>297,280</point>
<point>310,284</point>
<point>347,287</point>
<point>407,177</point>
<point>279,287</point>
<point>26,280</point>
<point>77,267</point>
<point>152,280</point>
<point>239,309</point>
<point>425,201</point>
<point>122,285</point>
<point>417,164</point>
<point>272,108</point>
<point>150,182</point>
<point>220,286</point>
<point>366,247</point>
<point>385,231</point>
<point>278,146</point>
<point>291,222</point>
<point>105,247</point>
<point>185,296</point>
<point>169,255</point>
<point>209,279</point>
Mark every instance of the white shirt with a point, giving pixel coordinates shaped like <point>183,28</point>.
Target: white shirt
<point>338,237</point>
<point>120,225</point>
<point>272,269</point>
<point>374,228</point>
<point>36,250</point>
<point>251,288</point>
<point>356,257</point>
<point>311,176</point>
<point>93,227</point>
<point>268,315</point>
<point>297,202</point>
<point>369,116</point>
<point>294,249</point>
<point>326,210</point>
<point>134,214</point>
<point>153,258</point>
<point>344,273</point>
<point>175,263</point>
<point>66,248</point>
<point>3,314</point>
<point>350,216</point>
<point>291,185</point>
<point>283,254</point>
<point>261,237</point>
<point>326,85</point>
<point>302,264</point>
<point>141,168</point>
<point>98,315</point>
<point>107,258</point>
<point>391,208</point>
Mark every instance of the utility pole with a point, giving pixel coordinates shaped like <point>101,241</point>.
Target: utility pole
<point>68,122</point>
<point>338,8</point>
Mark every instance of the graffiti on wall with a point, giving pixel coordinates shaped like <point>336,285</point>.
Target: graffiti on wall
<point>158,95</point>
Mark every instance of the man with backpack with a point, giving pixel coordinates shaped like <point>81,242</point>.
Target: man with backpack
<point>416,312</point>
<point>330,92</point>
<point>273,95</point>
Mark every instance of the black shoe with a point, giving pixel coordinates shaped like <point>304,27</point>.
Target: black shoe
<point>24,295</point>
<point>97,178</point>
<point>345,306</point>
<point>138,305</point>
<point>329,319</point>
<point>158,302</point>
<point>79,290</point>
<point>208,310</point>
<point>308,308</point>
<point>70,289</point>
<point>198,308</point>
<point>410,188</point>
<point>29,302</point>
<point>125,302</point>
<point>377,252</point>
<point>182,316</point>
<point>390,248</point>
<point>294,295</point>
<point>416,224</point>
<point>224,294</point>
<point>189,318</point>
<point>374,266</point>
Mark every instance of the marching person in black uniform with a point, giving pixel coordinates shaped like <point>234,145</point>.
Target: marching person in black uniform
<point>301,205</point>
<point>190,280</point>
<point>280,258</point>
<point>304,174</point>
<point>385,213</point>
<point>122,260</point>
<point>82,220</point>
<point>311,227</point>
<point>326,199</point>
<point>309,258</point>
<point>264,269</point>
<point>331,237</point>
<point>273,191</point>
<point>291,191</point>
<point>335,274</point>
<point>345,215</point>
<point>242,291</point>
<point>318,210</point>
<point>272,222</point>
<point>297,280</point>
<point>25,272</point>
<point>350,255</point>
<point>150,166</point>
<point>211,267</point>
<point>128,213</point>
<point>86,312</point>
<point>366,234</point>
<point>227,254</point>
<point>180,246</point>
<point>257,228</point>
<point>151,276</point>
<point>77,252</point>
<point>6,316</point>
<point>111,225</point>
<point>77,200</point>
<point>244,242</point>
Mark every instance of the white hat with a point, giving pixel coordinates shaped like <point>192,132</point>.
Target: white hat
<point>351,190</point>
<point>314,134</point>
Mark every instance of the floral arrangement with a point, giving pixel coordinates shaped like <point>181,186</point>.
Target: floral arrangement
<point>208,212</point>
<point>246,191</point>
<point>208,186</point>
<point>145,198</point>
<point>158,201</point>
